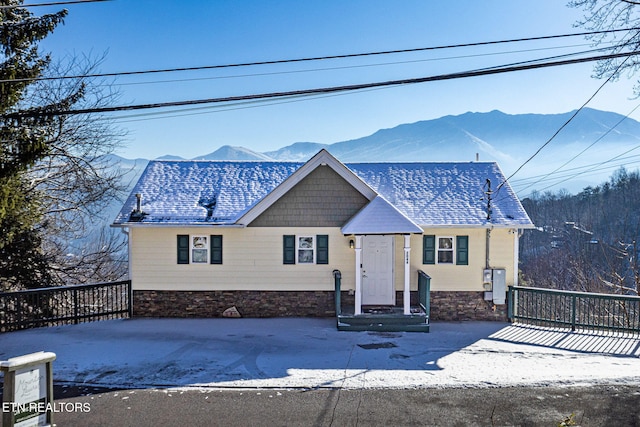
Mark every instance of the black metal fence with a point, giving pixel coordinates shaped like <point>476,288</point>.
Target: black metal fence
<point>575,310</point>
<point>64,305</point>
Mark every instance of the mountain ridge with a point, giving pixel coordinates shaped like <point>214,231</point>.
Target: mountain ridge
<point>509,139</point>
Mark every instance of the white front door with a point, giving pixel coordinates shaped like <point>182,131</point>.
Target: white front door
<point>377,270</point>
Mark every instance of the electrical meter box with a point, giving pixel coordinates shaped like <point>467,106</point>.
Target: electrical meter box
<point>494,282</point>
<point>499,286</point>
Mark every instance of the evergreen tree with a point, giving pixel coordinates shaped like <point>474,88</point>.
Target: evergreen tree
<point>23,141</point>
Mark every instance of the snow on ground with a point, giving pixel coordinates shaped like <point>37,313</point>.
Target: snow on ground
<point>311,353</point>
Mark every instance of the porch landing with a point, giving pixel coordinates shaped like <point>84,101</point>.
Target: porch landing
<point>385,319</point>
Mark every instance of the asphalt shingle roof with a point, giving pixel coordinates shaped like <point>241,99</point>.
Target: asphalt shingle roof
<point>220,192</point>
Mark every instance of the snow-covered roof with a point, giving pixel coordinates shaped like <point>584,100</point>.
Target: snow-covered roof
<point>221,192</point>
<point>380,217</point>
<point>446,193</point>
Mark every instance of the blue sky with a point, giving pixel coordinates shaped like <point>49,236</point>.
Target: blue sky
<point>154,34</point>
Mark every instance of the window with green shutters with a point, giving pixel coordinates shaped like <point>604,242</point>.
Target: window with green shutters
<point>183,249</point>
<point>216,249</point>
<point>440,250</point>
<point>305,249</point>
<point>462,250</point>
<point>196,250</point>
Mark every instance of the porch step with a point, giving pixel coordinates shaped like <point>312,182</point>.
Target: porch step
<point>415,323</point>
<point>383,328</point>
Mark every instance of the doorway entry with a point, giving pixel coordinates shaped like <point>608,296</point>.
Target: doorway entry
<point>377,270</point>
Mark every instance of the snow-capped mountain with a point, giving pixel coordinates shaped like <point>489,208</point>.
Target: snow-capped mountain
<point>227,152</point>
<point>593,136</point>
<point>495,136</point>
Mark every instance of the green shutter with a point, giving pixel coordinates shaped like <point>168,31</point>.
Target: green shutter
<point>462,250</point>
<point>429,249</point>
<point>322,246</point>
<point>288,249</point>
<point>216,249</point>
<point>183,249</point>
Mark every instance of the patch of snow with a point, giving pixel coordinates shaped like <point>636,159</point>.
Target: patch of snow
<point>436,194</point>
<point>311,353</point>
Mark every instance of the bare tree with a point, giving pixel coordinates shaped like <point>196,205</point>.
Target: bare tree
<point>78,178</point>
<point>55,176</point>
<point>588,241</point>
<point>604,16</point>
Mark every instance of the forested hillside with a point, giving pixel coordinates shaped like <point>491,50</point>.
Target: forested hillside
<point>587,241</point>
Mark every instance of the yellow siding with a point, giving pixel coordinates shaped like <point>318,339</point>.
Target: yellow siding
<point>252,260</point>
<point>452,277</point>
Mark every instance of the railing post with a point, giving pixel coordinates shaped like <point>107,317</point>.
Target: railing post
<point>510,292</point>
<point>130,295</point>
<point>19,311</point>
<point>75,306</point>
<point>337,276</point>
<point>424,291</point>
<point>427,297</point>
<point>573,312</point>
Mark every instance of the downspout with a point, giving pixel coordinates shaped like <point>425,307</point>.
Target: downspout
<point>487,263</point>
<point>488,193</point>
<point>516,255</point>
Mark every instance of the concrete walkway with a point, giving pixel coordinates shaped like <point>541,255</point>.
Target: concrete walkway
<point>311,353</point>
<point>305,372</point>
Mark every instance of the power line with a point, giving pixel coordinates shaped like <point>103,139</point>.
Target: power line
<point>475,73</point>
<point>347,67</point>
<point>567,173</point>
<point>565,123</point>
<point>54,3</point>
<point>589,170</point>
<point>227,107</point>
<point>254,104</point>
<point>320,58</point>
<point>584,150</point>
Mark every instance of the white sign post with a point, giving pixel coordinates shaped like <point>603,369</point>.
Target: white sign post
<point>28,390</point>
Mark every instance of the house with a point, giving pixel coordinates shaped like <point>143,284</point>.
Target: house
<point>276,238</point>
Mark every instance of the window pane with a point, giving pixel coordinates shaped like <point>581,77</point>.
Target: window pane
<point>445,257</point>
<point>199,242</point>
<point>305,243</point>
<point>199,255</point>
<point>445,243</point>
<point>305,256</point>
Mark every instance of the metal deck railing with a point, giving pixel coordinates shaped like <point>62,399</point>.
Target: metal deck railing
<point>65,305</point>
<point>575,310</point>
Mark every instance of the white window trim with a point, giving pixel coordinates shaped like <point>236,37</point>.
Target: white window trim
<point>192,247</point>
<point>312,248</point>
<point>452,250</point>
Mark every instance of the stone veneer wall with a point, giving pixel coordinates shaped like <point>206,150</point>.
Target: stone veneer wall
<point>248,303</point>
<point>445,305</point>
<point>452,305</point>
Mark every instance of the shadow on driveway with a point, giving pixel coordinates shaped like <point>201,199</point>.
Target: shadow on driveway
<point>609,343</point>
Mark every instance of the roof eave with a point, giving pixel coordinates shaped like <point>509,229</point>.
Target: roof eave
<point>173,225</point>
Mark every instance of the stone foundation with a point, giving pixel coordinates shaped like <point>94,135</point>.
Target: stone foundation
<point>452,306</point>
<point>248,303</point>
<point>445,305</point>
